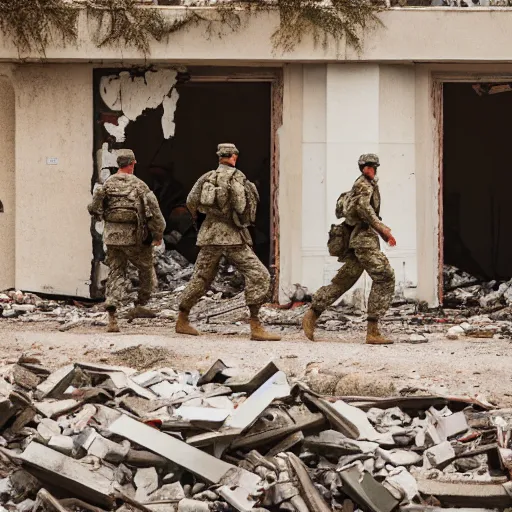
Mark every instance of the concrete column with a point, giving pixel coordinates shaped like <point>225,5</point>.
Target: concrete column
<point>7,188</point>
<point>290,180</point>
<point>53,121</point>
<point>314,152</point>
<point>427,191</point>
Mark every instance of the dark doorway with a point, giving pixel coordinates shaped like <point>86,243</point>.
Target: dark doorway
<point>207,113</point>
<point>477,179</point>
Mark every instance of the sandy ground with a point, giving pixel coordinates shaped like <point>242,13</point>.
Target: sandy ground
<point>463,367</point>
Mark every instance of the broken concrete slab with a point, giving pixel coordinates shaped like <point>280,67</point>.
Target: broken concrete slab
<point>364,490</point>
<point>308,491</point>
<point>449,426</point>
<point>62,444</point>
<point>204,465</point>
<point>335,444</point>
<point>57,382</point>
<point>214,374</point>
<point>466,494</point>
<point>66,473</point>
<point>203,414</point>
<point>55,408</point>
<point>166,389</point>
<point>238,385</point>
<point>25,378</point>
<point>106,449</point>
<point>286,444</point>
<point>401,480</point>
<point>398,457</point>
<point>237,486</point>
<point>439,456</point>
<point>275,387</point>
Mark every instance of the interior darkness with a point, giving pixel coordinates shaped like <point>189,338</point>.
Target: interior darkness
<point>206,114</point>
<point>477,181</point>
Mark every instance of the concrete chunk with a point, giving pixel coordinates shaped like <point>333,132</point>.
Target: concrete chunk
<point>439,455</point>
<point>146,482</point>
<point>66,473</point>
<point>53,409</point>
<point>62,444</point>
<point>399,457</point>
<point>48,428</point>
<point>193,506</point>
<point>108,450</point>
<point>172,491</point>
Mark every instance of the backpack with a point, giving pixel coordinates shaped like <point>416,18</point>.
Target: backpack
<point>346,208</point>
<point>231,193</point>
<point>339,234</point>
<point>124,213</point>
<point>123,204</point>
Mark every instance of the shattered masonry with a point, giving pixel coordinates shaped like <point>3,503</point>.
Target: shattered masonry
<point>93,435</point>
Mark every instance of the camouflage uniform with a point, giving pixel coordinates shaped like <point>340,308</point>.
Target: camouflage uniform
<point>125,242</point>
<point>364,254</point>
<point>220,236</point>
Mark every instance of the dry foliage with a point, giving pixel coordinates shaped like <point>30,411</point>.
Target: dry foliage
<point>33,24</point>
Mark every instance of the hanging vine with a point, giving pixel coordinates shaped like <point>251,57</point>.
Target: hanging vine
<point>33,25</point>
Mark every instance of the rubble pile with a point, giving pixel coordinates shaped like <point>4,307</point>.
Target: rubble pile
<point>94,437</point>
<point>464,290</point>
<point>174,271</point>
<point>471,308</point>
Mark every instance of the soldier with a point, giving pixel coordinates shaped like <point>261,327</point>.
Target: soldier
<point>229,201</point>
<point>362,206</point>
<point>133,225</point>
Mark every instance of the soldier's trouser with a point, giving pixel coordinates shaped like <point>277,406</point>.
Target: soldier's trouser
<point>257,278</point>
<point>141,256</point>
<point>383,285</point>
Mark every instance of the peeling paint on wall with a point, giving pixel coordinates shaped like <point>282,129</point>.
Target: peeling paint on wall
<point>170,103</point>
<point>133,94</point>
<point>106,159</point>
<point>117,130</point>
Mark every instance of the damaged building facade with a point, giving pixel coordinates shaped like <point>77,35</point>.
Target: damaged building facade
<point>424,93</point>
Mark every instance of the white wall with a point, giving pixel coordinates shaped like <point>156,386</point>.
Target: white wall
<point>53,119</point>
<point>350,109</point>
<point>7,190</point>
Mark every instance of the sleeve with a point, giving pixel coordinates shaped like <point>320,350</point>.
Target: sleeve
<point>364,209</point>
<point>96,206</point>
<point>156,221</point>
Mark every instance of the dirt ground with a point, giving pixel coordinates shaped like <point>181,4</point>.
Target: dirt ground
<point>469,366</point>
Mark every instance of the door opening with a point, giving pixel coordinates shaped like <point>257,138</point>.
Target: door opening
<point>207,113</point>
<point>477,226</point>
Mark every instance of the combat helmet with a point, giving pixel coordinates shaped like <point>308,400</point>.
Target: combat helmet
<point>369,158</point>
<point>226,149</point>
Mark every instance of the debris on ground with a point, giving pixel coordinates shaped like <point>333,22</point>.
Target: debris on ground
<point>471,308</point>
<point>95,437</point>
